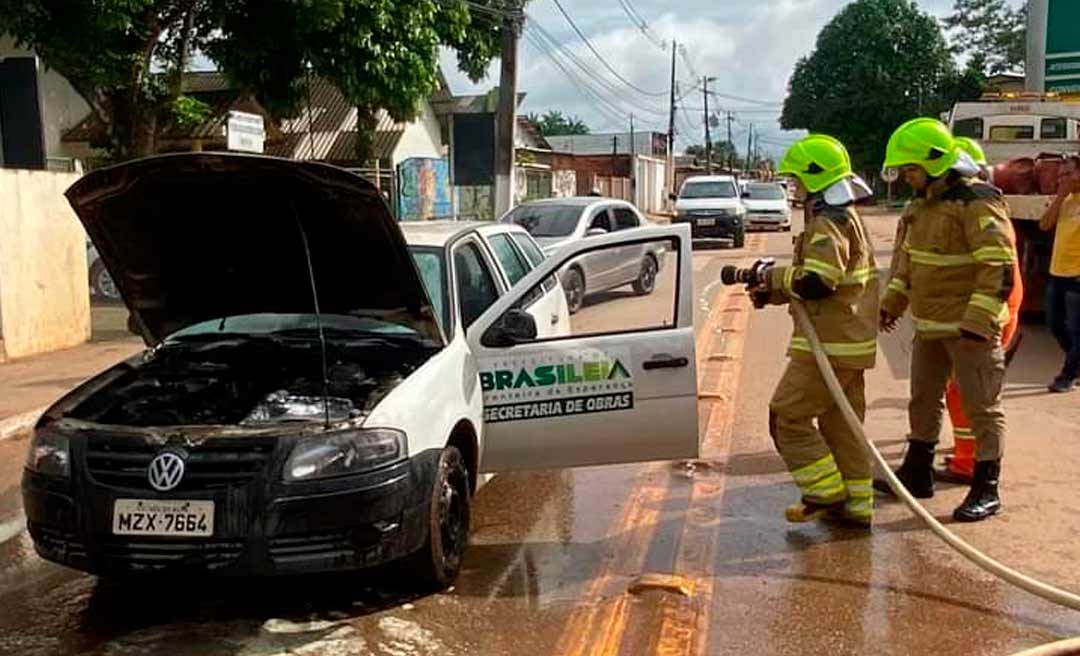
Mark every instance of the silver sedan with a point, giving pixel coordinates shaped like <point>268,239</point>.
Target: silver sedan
<point>556,222</point>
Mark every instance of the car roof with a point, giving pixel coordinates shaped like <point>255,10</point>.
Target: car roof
<point>438,234</point>
<point>710,178</point>
<point>574,201</point>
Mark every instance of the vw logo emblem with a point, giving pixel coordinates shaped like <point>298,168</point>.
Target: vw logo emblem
<point>166,470</point>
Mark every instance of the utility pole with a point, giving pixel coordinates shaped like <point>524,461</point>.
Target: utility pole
<point>506,117</point>
<point>633,161</point>
<point>671,126</point>
<point>749,148</point>
<point>708,138</point>
<point>731,143</point>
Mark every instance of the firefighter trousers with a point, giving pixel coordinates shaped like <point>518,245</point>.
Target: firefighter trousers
<point>829,462</point>
<point>979,368</point>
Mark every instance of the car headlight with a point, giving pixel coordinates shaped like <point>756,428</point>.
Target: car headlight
<point>50,454</point>
<point>346,452</point>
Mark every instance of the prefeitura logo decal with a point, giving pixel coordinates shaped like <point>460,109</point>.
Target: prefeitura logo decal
<point>556,384</point>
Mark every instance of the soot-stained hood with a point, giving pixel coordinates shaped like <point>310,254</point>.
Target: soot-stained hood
<point>197,236</point>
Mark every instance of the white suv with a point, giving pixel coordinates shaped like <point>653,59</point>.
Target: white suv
<point>712,206</point>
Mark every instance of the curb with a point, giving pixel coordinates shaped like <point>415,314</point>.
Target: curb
<point>12,426</point>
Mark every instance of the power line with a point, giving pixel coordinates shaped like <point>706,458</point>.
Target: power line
<point>642,24</point>
<point>601,58</point>
<point>609,111</point>
<point>615,91</point>
<point>751,101</point>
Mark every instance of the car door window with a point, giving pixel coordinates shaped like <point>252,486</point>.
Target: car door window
<point>625,218</point>
<point>513,263</point>
<point>534,255</point>
<point>601,220</point>
<point>475,285</point>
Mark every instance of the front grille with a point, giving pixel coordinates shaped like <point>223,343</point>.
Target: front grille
<point>210,554</point>
<point>317,545</point>
<point>123,461</point>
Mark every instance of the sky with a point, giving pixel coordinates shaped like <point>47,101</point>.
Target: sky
<point>749,46</point>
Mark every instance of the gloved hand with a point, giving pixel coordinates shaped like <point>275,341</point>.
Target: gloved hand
<point>759,297</point>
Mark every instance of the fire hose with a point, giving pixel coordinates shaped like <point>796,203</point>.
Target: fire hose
<point>1034,586</point>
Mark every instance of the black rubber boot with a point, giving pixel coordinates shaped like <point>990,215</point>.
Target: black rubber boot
<point>916,472</point>
<point>982,499</point>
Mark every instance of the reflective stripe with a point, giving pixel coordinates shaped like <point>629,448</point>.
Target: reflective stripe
<point>823,269</point>
<point>860,508</point>
<point>985,222</point>
<point>994,255</point>
<point>789,277</point>
<point>837,349</point>
<point>989,303</point>
<point>899,286</point>
<point>815,471</point>
<point>939,259</point>
<point>930,326</point>
<point>859,276</point>
<point>860,487</point>
<point>963,432</point>
<point>830,488</point>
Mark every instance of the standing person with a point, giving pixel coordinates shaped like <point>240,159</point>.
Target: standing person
<point>955,270</point>
<point>961,465</point>
<point>834,274</point>
<point>1063,288</point>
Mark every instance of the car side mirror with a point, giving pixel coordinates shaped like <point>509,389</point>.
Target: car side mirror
<point>746,194</point>
<point>595,232</point>
<point>514,327</point>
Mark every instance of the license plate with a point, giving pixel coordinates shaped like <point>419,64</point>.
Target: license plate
<point>163,518</point>
<point>706,222</point>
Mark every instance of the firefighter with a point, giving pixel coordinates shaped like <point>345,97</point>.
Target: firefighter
<point>955,270</point>
<point>834,274</point>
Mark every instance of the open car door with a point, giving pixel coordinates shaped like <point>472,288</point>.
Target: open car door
<point>620,387</point>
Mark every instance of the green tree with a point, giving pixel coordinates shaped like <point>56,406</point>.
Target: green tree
<point>876,64</point>
<point>553,124</point>
<point>992,30</point>
<point>126,57</point>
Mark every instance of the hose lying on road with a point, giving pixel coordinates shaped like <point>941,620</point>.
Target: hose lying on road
<point>1068,647</point>
<point>1022,581</point>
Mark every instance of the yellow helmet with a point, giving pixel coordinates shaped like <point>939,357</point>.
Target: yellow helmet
<point>972,148</point>
<point>924,142</point>
<point>818,161</point>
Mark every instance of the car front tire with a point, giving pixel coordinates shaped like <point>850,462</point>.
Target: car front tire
<point>438,562</point>
<point>101,283</point>
<point>739,239</point>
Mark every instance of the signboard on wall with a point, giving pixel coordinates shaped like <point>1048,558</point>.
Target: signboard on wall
<point>1063,46</point>
<point>245,132</point>
<point>473,150</point>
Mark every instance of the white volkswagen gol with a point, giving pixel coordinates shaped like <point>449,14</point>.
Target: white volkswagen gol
<point>300,408</point>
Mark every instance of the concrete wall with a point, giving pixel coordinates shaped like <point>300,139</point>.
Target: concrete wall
<point>61,106</point>
<point>44,291</point>
<point>422,137</point>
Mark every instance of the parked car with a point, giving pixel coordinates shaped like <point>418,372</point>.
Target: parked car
<point>712,206</point>
<point>304,405</point>
<point>487,260</point>
<point>767,206</point>
<point>558,222</point>
<point>101,283</point>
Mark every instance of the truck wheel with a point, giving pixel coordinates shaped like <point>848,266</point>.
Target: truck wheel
<point>437,564</point>
<point>101,283</point>
<point>740,239</point>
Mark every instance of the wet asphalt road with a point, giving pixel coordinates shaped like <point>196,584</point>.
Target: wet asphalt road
<point>554,555</point>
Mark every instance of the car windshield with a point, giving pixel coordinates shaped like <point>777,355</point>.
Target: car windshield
<point>714,189</point>
<point>267,324</point>
<point>766,192</point>
<point>546,220</point>
<point>432,266</point>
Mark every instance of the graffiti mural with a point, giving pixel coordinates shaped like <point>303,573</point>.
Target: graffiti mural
<point>424,191</point>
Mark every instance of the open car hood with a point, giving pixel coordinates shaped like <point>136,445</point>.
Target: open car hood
<point>197,236</point>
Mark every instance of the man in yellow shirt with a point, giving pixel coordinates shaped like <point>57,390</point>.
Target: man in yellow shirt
<point>1063,288</point>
